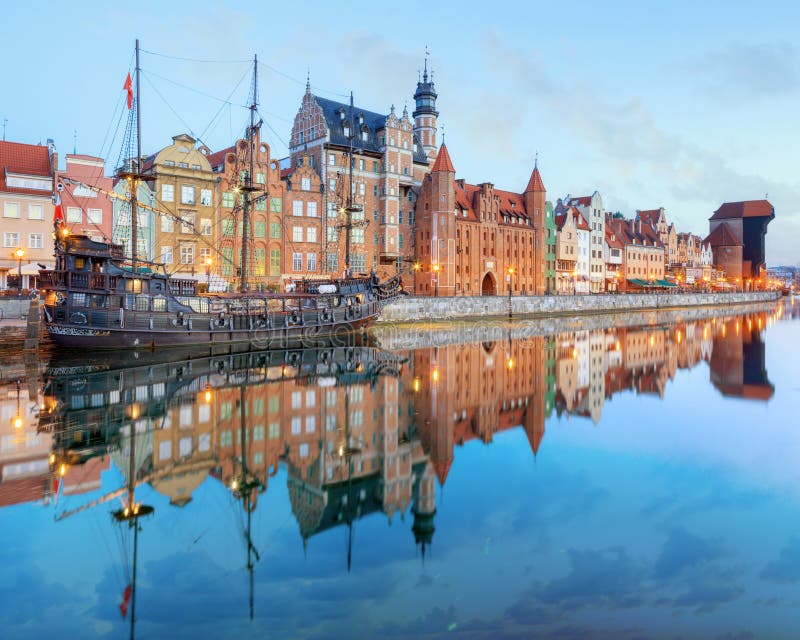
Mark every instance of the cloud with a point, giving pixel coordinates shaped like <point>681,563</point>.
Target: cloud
<point>787,567</point>
<point>743,72</point>
<point>683,550</point>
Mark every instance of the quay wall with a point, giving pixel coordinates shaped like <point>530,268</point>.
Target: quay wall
<point>14,308</point>
<point>411,309</point>
<point>420,334</point>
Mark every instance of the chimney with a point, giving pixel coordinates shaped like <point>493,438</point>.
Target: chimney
<point>51,151</point>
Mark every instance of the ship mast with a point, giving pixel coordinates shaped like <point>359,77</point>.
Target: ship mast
<point>134,176</point>
<point>248,187</point>
<point>350,207</point>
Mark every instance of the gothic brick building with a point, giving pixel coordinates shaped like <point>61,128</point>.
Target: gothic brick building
<point>476,239</point>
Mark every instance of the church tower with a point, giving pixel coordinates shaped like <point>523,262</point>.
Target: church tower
<point>425,113</point>
<point>535,196</point>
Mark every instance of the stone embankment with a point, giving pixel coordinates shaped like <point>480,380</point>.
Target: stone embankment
<point>400,336</point>
<point>411,309</point>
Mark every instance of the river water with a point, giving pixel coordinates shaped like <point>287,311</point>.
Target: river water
<point>608,477</point>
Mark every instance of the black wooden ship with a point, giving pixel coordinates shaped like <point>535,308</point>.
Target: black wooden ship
<point>98,297</point>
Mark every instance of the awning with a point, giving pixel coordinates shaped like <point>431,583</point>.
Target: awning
<point>28,270</point>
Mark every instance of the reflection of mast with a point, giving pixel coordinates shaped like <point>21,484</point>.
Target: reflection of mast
<point>243,487</point>
<point>346,452</point>
<point>131,513</point>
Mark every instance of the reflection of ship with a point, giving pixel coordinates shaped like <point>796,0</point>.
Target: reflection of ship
<point>127,412</point>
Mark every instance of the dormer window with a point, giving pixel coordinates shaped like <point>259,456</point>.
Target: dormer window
<point>346,131</point>
<point>341,114</point>
<point>365,134</point>
<point>360,118</point>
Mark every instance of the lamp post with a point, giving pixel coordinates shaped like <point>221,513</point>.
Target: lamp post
<point>416,268</point>
<point>18,254</point>
<point>436,268</point>
<point>509,274</point>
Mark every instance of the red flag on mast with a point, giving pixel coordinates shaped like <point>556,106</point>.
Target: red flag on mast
<point>128,86</point>
<point>58,212</point>
<point>126,598</point>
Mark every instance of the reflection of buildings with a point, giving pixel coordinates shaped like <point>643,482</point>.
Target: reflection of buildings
<point>357,436</point>
<point>737,359</point>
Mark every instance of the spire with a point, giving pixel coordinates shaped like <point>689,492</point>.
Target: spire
<point>308,81</point>
<point>535,183</point>
<point>425,73</point>
<point>443,161</point>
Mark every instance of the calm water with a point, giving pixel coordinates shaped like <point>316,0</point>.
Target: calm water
<point>639,482</point>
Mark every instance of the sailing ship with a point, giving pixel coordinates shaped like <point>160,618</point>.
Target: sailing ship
<point>96,296</point>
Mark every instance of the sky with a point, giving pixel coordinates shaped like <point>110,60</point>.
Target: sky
<point>683,105</point>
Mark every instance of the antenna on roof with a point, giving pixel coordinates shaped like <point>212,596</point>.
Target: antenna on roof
<point>425,73</point>
<point>536,160</point>
<point>74,141</point>
<point>441,126</point>
<point>5,120</point>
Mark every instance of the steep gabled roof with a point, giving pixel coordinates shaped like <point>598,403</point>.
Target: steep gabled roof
<point>373,122</point>
<point>535,183</point>
<point>25,159</point>
<point>580,221</point>
<point>443,161</point>
<point>745,209</point>
<point>650,216</point>
<point>218,157</point>
<point>581,201</point>
<point>723,236</point>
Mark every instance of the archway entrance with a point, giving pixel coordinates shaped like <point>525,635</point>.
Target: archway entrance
<point>488,286</point>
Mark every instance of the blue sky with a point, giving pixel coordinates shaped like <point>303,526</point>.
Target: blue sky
<point>682,105</point>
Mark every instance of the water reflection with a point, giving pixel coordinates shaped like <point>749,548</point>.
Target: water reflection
<point>357,431</point>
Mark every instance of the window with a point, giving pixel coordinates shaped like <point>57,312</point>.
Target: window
<point>167,224</point>
<point>260,229</point>
<point>275,230</point>
<point>297,262</point>
<point>228,199</point>
<point>167,193</point>
<point>275,205</point>
<point>333,262</point>
<point>297,208</point>
<point>305,184</point>
<point>332,159</point>
<point>400,241</point>
<point>187,254</point>
<point>166,255</point>
<point>205,253</point>
<point>205,197</point>
<point>274,266</point>
<point>260,259</point>
<point>73,214</point>
<point>94,216</point>
<point>375,166</point>
<point>297,399</point>
<point>311,234</point>
<point>357,236</point>
<point>260,204</point>
<point>359,260</point>
<point>187,195</point>
<point>333,234</point>
<point>311,261</point>
<point>35,212</point>
<point>35,241</point>
<point>187,222</point>
<point>399,217</point>
<point>227,261</point>
<point>304,450</point>
<point>297,234</point>
<point>311,209</point>
<point>10,240</point>
<point>311,424</point>
<point>11,210</point>
<point>260,178</point>
<point>227,227</point>
<point>332,184</point>
<point>205,227</point>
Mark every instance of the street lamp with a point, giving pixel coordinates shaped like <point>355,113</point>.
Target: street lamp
<point>208,262</point>
<point>510,273</point>
<point>436,268</point>
<point>416,269</point>
<point>18,254</point>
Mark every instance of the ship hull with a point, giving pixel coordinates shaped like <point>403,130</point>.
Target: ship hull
<point>79,337</point>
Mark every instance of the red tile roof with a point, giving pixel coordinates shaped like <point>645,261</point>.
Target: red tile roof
<point>285,173</point>
<point>745,209</point>
<point>218,157</point>
<point>723,236</point>
<point>443,162</point>
<point>650,216</point>
<point>27,159</point>
<point>582,201</point>
<point>535,183</point>
<point>580,221</point>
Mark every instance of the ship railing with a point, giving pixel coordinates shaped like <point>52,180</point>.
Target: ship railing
<point>73,280</point>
